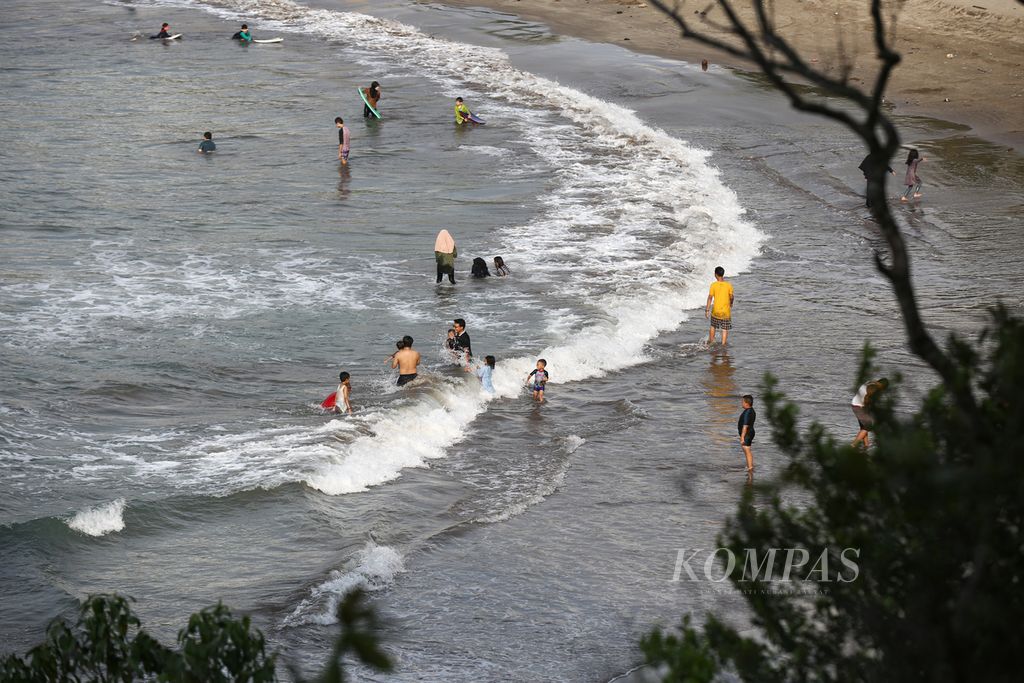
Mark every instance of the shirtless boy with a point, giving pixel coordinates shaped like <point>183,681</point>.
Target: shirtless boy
<point>406,360</point>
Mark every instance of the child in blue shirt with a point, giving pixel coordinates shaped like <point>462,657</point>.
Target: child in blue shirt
<point>485,373</point>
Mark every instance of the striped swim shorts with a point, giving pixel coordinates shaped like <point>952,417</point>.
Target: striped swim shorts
<point>721,323</point>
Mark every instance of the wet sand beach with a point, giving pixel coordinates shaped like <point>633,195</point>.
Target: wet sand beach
<point>963,60</point>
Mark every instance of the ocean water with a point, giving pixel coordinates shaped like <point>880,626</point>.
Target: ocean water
<point>171,321</point>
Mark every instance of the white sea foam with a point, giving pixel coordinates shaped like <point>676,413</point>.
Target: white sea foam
<point>99,520</point>
<point>630,234</point>
<point>373,568</point>
<point>572,443</point>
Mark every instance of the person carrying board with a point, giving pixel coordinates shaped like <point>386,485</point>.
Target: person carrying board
<point>372,95</point>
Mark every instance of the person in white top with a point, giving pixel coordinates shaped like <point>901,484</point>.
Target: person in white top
<point>861,404</point>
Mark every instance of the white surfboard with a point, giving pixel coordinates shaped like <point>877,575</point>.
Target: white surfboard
<point>269,40</point>
<point>174,37</point>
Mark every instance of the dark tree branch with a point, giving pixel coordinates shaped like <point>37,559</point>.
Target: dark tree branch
<point>862,114</point>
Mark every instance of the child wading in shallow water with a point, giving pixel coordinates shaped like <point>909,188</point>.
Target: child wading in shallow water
<point>341,399</point>
<point>485,372</point>
<point>537,380</point>
<point>912,181</point>
<point>745,427</point>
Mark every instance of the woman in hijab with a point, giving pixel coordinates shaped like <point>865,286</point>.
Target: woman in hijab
<point>445,254</point>
<point>480,268</point>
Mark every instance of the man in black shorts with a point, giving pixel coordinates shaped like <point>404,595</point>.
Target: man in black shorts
<point>406,360</point>
<point>462,344</point>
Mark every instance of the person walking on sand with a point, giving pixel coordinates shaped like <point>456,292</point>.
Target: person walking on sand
<point>861,405</point>
<point>866,167</point>
<point>207,145</point>
<point>343,140</point>
<point>372,95</point>
<point>745,427</point>
<point>537,380</point>
<point>912,180</point>
<point>719,306</point>
<point>342,404</point>
<point>445,254</point>
<point>407,361</point>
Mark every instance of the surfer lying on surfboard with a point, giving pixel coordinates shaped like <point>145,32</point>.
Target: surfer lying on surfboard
<point>463,114</point>
<point>165,32</point>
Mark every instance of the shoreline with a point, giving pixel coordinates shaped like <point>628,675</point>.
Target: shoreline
<point>985,40</point>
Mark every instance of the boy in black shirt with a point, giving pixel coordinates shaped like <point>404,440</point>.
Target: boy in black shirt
<point>745,427</point>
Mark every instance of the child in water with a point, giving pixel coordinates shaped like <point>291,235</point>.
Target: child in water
<point>537,380</point>
<point>745,427</point>
<point>341,399</point>
<point>912,180</point>
<point>399,345</point>
<point>500,269</point>
<point>462,112</point>
<point>485,372</point>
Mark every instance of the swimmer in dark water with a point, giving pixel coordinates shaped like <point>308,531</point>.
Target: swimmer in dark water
<point>406,360</point>
<point>165,32</point>
<point>243,35</point>
<point>207,145</point>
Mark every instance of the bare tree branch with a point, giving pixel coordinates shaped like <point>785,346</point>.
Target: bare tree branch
<point>862,114</point>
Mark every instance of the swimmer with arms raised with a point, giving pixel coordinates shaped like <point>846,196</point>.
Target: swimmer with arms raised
<point>406,360</point>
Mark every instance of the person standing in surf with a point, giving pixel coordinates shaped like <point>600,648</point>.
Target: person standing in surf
<point>243,35</point>
<point>719,306</point>
<point>912,180</point>
<point>861,405</point>
<point>463,347</point>
<point>165,32</point>
<point>343,140</point>
<point>445,253</point>
<point>372,95</point>
<point>745,427</point>
<point>866,167</point>
<point>537,380</point>
<point>407,361</point>
<point>500,269</point>
<point>485,373</point>
<point>207,145</point>
<point>342,404</point>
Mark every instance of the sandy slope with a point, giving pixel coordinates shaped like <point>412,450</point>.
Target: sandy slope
<point>981,85</point>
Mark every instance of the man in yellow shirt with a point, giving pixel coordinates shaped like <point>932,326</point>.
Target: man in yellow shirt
<point>719,306</point>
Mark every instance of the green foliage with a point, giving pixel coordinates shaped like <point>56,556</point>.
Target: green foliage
<point>936,509</point>
<point>107,643</point>
<point>359,628</point>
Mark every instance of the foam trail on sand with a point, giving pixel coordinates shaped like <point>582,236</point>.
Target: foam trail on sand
<point>99,520</point>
